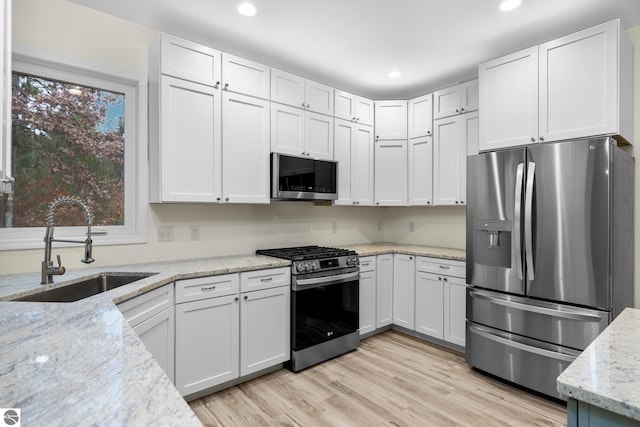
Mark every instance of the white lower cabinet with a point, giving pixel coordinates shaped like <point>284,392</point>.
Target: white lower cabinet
<point>403,290</point>
<point>151,315</point>
<point>440,299</point>
<point>264,329</point>
<point>367,298</point>
<point>384,290</point>
<point>207,343</point>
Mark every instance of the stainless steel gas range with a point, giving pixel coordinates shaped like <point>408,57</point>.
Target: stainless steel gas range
<point>324,302</point>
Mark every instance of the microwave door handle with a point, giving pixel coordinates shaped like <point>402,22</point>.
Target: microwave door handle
<point>528,220</point>
<point>517,220</point>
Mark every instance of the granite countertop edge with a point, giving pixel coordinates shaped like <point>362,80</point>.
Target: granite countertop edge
<point>606,373</point>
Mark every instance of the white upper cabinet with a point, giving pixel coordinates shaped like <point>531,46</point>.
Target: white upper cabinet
<point>421,171</point>
<point>189,61</point>
<point>242,76</point>
<point>581,82</point>
<point>245,149</point>
<point>301,133</point>
<point>298,92</point>
<point>390,120</point>
<point>459,99</point>
<point>353,108</point>
<point>390,173</point>
<point>573,87</point>
<point>452,134</point>
<point>421,116</point>
<point>353,149</point>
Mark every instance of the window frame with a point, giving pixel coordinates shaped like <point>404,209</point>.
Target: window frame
<point>136,195</point>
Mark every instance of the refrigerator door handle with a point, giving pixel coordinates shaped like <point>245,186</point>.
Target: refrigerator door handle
<point>517,219</point>
<point>528,220</point>
<point>576,314</point>
<point>525,347</point>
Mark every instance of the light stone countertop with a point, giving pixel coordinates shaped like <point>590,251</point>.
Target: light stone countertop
<point>607,373</point>
<point>81,363</point>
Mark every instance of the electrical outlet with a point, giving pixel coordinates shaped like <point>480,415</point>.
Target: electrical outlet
<point>334,227</point>
<point>165,233</point>
<point>412,226</point>
<point>195,232</point>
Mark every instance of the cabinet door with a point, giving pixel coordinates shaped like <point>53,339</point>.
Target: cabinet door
<point>429,305</point>
<point>190,141</point>
<point>287,129</point>
<point>287,88</point>
<point>470,127</point>
<point>367,302</point>
<point>345,106</point>
<point>391,173</point>
<point>469,96</point>
<point>189,61</point>
<point>265,329</point>
<point>421,116</point>
<point>404,274</point>
<point>421,171</point>
<point>318,131</point>
<point>207,343</point>
<point>245,149</point>
<point>578,84</point>
<point>364,111</point>
<point>454,310</point>
<point>157,334</point>
<point>362,165</point>
<point>384,290</point>
<point>343,151</point>
<point>318,97</point>
<point>447,152</point>
<point>391,119</point>
<point>446,102</point>
<point>243,76</point>
<point>509,100</point>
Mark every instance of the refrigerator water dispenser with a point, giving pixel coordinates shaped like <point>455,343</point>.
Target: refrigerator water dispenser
<point>496,236</point>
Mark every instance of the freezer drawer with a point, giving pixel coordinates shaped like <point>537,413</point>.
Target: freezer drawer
<point>529,363</point>
<point>559,324</point>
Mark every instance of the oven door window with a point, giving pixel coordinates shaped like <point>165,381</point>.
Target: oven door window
<point>324,313</point>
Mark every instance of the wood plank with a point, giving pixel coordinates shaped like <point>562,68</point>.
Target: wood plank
<point>392,379</point>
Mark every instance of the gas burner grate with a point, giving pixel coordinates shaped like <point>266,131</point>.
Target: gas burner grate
<point>300,253</point>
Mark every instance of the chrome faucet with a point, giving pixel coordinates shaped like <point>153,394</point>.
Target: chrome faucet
<point>48,269</point>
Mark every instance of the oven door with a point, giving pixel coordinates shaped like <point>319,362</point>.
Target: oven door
<point>324,308</point>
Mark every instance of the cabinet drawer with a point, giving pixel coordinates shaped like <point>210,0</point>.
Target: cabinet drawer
<point>206,287</point>
<point>147,305</point>
<point>367,263</point>
<point>265,279</point>
<point>444,267</point>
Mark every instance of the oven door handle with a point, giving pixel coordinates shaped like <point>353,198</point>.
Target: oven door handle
<point>325,280</point>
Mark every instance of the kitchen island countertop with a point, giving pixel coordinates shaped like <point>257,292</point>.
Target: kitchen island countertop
<point>607,373</point>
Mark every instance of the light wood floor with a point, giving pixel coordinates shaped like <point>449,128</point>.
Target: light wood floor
<point>391,380</point>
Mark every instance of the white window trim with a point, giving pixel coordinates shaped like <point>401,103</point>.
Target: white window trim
<point>136,165</point>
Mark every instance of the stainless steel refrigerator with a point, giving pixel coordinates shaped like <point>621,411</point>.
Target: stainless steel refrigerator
<point>549,255</point>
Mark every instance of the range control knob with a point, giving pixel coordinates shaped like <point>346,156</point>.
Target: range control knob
<point>307,266</point>
<point>352,260</point>
<point>300,267</point>
<point>315,266</point>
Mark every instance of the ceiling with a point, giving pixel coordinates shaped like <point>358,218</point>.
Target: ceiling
<point>353,44</point>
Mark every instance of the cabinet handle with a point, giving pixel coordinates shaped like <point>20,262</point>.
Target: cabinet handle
<point>365,264</point>
<point>266,279</point>
<point>226,86</point>
<point>207,288</point>
<point>541,138</point>
<point>444,267</point>
<point>246,297</point>
<point>217,85</point>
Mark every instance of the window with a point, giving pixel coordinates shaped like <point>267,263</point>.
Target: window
<point>75,132</point>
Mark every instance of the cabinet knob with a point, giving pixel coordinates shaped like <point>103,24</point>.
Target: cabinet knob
<point>217,85</point>
<point>308,106</point>
<point>218,198</point>
<point>377,136</point>
<point>357,203</point>
<point>457,202</point>
<point>357,119</point>
<point>246,297</point>
<point>533,139</point>
<point>428,202</point>
<point>541,138</point>
<point>226,199</point>
<point>377,203</point>
<point>457,111</point>
<point>428,132</point>
<point>439,278</point>
<point>353,119</point>
<point>226,86</point>
<point>236,299</point>
<point>445,279</point>
<point>303,105</point>
<point>410,258</point>
<point>462,109</point>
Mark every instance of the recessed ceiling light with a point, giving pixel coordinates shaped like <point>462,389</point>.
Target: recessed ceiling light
<point>247,9</point>
<point>394,74</point>
<point>510,4</point>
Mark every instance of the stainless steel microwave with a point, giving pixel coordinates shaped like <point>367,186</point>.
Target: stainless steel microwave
<point>303,178</point>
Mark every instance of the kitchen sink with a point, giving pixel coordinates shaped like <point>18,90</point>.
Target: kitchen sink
<point>86,288</point>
